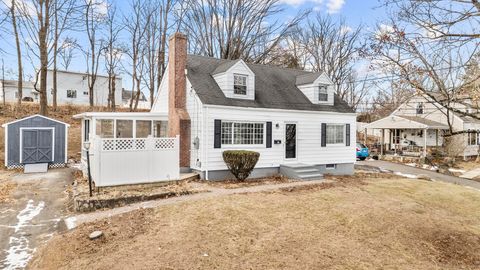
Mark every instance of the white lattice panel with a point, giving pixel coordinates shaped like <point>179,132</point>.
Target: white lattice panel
<point>164,143</point>
<point>123,144</point>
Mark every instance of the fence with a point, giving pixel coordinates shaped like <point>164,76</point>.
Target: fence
<point>124,161</point>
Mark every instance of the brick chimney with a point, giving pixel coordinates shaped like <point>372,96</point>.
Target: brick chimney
<point>178,118</point>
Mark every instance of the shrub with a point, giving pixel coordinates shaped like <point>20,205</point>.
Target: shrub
<point>240,162</point>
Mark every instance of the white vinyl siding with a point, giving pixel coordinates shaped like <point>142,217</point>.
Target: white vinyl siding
<point>309,149</point>
<point>226,81</point>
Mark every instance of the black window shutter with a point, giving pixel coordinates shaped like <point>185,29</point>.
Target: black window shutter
<point>347,135</point>
<point>269,134</point>
<point>324,134</point>
<point>217,134</point>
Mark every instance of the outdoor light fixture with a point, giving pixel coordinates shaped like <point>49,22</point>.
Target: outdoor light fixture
<point>277,125</point>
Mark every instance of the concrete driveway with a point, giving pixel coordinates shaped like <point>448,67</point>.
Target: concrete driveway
<point>408,170</point>
<point>36,210</point>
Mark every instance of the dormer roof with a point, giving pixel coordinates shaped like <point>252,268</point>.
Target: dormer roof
<point>307,78</point>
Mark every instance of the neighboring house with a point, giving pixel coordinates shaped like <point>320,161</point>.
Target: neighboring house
<point>143,102</point>
<point>72,88</point>
<point>291,117</point>
<point>422,122</point>
<point>11,91</point>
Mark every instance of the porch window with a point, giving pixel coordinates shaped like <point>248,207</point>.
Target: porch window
<point>104,128</point>
<point>335,134</point>
<point>240,133</point>
<point>322,93</point>
<point>124,129</point>
<point>239,84</point>
<point>420,108</point>
<point>144,128</point>
<point>160,128</point>
<point>86,131</point>
<point>473,138</point>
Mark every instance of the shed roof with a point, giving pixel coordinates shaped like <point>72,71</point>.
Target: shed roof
<point>32,116</point>
<point>405,122</point>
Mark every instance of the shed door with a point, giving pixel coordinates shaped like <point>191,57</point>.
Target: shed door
<point>37,146</point>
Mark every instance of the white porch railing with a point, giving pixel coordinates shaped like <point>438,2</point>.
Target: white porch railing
<point>124,161</point>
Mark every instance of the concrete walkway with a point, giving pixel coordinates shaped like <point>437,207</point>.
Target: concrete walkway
<point>74,221</point>
<point>404,169</point>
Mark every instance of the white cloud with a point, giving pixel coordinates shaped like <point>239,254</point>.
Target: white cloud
<point>334,6</point>
<point>300,2</point>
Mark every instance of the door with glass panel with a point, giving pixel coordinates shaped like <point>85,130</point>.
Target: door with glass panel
<point>290,141</point>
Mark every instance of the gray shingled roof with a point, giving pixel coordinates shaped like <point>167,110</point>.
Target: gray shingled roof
<point>308,78</point>
<point>275,87</point>
<point>421,120</point>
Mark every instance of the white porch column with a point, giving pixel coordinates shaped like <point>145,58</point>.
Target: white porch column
<point>365,136</point>
<point>425,142</point>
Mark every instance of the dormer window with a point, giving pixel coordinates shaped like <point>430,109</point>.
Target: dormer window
<point>420,108</point>
<point>322,93</point>
<point>239,84</point>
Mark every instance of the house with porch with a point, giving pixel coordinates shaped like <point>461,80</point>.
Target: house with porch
<point>293,118</point>
<point>419,125</point>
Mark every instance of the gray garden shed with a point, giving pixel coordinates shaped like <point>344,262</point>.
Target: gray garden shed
<point>35,139</point>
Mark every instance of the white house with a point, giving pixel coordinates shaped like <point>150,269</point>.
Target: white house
<point>72,88</point>
<point>420,123</point>
<point>291,117</point>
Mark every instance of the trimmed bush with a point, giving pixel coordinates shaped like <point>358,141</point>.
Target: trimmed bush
<point>240,162</point>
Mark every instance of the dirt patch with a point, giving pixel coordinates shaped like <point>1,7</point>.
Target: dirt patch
<point>6,188</point>
<point>383,224</point>
<point>234,183</point>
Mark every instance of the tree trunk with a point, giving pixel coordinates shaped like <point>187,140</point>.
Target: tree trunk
<point>3,82</point>
<point>43,46</point>
<point>19,55</point>
<point>109,99</point>
<point>55,50</point>
<point>113,92</point>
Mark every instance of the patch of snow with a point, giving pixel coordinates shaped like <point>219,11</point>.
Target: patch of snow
<point>19,253</point>
<point>456,170</point>
<point>71,222</point>
<point>411,176</point>
<point>411,164</point>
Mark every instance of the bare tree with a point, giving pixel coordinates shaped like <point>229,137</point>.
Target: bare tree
<point>3,82</point>
<point>13,14</point>
<point>36,18</point>
<point>232,29</point>
<point>66,52</point>
<point>112,52</point>
<point>331,47</point>
<point>136,23</point>
<point>94,19</point>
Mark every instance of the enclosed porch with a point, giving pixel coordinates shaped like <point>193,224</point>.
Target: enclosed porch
<point>128,148</point>
<point>407,135</point>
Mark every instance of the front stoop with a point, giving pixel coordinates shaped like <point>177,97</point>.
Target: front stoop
<point>301,171</point>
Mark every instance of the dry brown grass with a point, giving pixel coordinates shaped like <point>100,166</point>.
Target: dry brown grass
<point>379,223</point>
<point>234,183</point>
<point>10,112</point>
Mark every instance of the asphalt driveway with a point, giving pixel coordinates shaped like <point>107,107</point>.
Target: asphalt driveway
<point>35,211</point>
<point>408,170</point>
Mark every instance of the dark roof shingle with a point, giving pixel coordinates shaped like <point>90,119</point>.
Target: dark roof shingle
<point>275,87</point>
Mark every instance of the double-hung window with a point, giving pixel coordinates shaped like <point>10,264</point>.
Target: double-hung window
<point>473,138</point>
<point>239,84</point>
<point>71,93</point>
<point>335,134</point>
<point>322,93</point>
<point>420,108</point>
<point>241,133</point>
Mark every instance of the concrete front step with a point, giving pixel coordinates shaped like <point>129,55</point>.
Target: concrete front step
<point>301,171</point>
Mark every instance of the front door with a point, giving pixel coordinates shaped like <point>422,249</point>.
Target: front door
<point>37,146</point>
<point>290,141</point>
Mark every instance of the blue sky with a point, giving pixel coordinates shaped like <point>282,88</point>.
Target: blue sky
<point>355,12</point>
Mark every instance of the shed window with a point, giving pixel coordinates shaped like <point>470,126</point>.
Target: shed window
<point>124,129</point>
<point>242,133</point>
<point>239,84</point>
<point>71,93</point>
<point>104,128</point>
<point>144,128</point>
<point>160,128</point>
<point>335,134</point>
<point>420,108</point>
<point>322,93</point>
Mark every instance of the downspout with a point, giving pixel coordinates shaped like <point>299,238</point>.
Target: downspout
<point>205,133</point>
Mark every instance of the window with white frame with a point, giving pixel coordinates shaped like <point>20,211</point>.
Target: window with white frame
<point>238,133</point>
<point>160,129</point>
<point>124,128</point>
<point>335,134</point>
<point>71,93</point>
<point>473,138</point>
<point>239,84</point>
<point>420,108</point>
<point>104,128</point>
<point>143,128</point>
<point>322,93</point>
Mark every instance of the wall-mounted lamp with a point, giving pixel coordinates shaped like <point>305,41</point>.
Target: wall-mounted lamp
<point>277,125</point>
